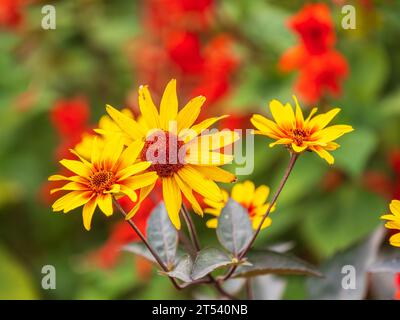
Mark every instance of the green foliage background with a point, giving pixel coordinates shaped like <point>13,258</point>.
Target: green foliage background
<point>85,55</point>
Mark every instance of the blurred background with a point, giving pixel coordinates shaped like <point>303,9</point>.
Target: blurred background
<point>240,54</point>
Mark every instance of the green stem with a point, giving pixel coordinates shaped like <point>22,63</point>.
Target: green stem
<point>292,162</point>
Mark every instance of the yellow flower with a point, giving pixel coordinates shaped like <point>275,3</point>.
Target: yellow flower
<point>393,222</point>
<point>254,200</point>
<point>107,128</point>
<point>112,169</point>
<point>291,129</point>
<point>181,156</point>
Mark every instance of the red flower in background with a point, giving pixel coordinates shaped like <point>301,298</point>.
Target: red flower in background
<point>70,118</point>
<point>179,14</point>
<point>315,28</point>
<point>321,68</point>
<point>322,75</point>
<point>178,43</point>
<point>397,286</point>
<point>11,15</point>
<point>184,49</point>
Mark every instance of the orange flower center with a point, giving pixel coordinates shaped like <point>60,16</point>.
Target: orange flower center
<point>298,136</point>
<point>101,181</point>
<point>165,151</point>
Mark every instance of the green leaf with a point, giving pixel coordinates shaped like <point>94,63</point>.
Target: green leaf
<point>275,35</point>
<point>390,104</point>
<point>234,229</point>
<point>208,260</point>
<point>340,219</point>
<point>15,283</point>
<point>162,235</point>
<point>140,249</point>
<point>266,261</point>
<point>359,256</point>
<point>183,269</point>
<point>369,70</point>
<point>365,142</point>
<point>303,180</point>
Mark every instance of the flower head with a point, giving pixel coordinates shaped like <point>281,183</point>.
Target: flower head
<point>393,222</point>
<point>299,134</point>
<point>252,198</point>
<point>112,170</point>
<point>184,159</point>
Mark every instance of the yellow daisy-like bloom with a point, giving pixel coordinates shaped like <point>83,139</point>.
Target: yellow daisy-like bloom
<point>111,170</point>
<point>107,128</point>
<point>291,129</point>
<point>393,222</point>
<point>184,159</point>
<point>251,198</point>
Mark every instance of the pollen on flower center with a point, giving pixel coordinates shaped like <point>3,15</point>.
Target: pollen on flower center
<point>298,135</point>
<point>164,150</point>
<point>101,181</point>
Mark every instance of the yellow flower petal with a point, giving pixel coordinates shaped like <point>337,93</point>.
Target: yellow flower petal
<point>283,114</point>
<point>71,186</point>
<point>299,114</point>
<point>96,150</point>
<point>87,213</point>
<point>323,154</point>
<point>127,125</point>
<point>190,133</point>
<point>200,184</point>
<point>141,180</point>
<point>105,204</point>
<point>297,148</point>
<point>133,169</point>
<point>237,192</point>
<point>248,193</point>
<point>212,223</point>
<point>173,200</point>
<point>169,105</point>
<point>58,177</point>
<point>216,173</point>
<point>144,192</point>
<point>76,167</point>
<point>395,207</point>
<point>214,141</point>
<point>148,109</point>
<point>129,192</point>
<point>266,126</point>
<point>65,200</point>
<point>395,240</point>
<point>257,220</point>
<point>130,154</point>
<point>77,201</point>
<point>207,158</point>
<point>187,192</point>
<point>260,195</point>
<point>331,133</point>
<point>189,113</point>
<point>111,151</point>
<point>214,211</point>
<point>320,121</point>
<point>116,188</point>
<point>281,141</point>
<point>74,152</point>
